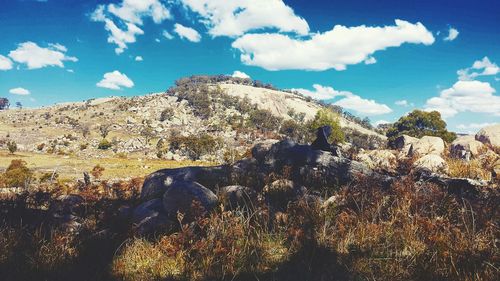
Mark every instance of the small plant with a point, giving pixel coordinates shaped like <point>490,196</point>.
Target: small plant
<point>12,146</point>
<point>104,144</point>
<point>97,171</point>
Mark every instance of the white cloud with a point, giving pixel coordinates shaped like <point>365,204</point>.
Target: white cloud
<point>123,20</point>
<point>347,100</point>
<point>19,91</point>
<point>115,81</point>
<point>157,40</point>
<point>5,63</point>
<point>404,103</point>
<point>187,33</point>
<point>139,58</point>
<point>381,122</point>
<point>452,34</point>
<point>482,67</point>
<point>472,96</point>
<point>474,126</point>
<point>167,35</point>
<point>35,56</point>
<point>370,60</point>
<point>234,18</point>
<point>336,48</point>
<point>239,74</point>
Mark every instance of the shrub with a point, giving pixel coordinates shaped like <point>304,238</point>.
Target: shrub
<point>104,144</point>
<point>420,123</point>
<point>166,114</point>
<point>264,120</point>
<point>97,171</point>
<point>194,146</point>
<point>294,130</point>
<point>327,117</point>
<point>12,146</point>
<point>17,174</point>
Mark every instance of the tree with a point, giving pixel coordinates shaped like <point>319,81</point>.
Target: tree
<point>19,105</point>
<point>4,103</point>
<point>104,130</point>
<point>12,146</point>
<point>419,123</point>
<point>147,132</point>
<point>327,117</point>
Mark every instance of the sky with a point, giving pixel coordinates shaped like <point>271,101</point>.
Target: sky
<point>380,59</point>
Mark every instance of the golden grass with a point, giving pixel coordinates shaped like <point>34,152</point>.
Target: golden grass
<point>71,167</point>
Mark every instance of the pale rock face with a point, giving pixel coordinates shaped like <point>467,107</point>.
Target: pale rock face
<point>433,163</point>
<point>466,146</point>
<point>489,135</point>
<point>378,159</point>
<point>429,145</point>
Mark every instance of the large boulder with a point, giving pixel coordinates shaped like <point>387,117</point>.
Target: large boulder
<point>383,160</point>
<point>260,150</point>
<point>158,182</point>
<point>404,142</point>
<point>433,163</point>
<point>489,135</point>
<point>466,147</point>
<point>181,195</point>
<point>237,196</point>
<point>428,145</point>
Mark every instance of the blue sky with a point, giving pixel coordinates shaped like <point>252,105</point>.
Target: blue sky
<point>375,58</point>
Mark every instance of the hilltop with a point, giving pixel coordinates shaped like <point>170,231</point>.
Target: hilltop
<point>208,118</point>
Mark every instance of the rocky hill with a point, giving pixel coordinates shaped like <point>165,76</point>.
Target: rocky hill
<point>205,114</point>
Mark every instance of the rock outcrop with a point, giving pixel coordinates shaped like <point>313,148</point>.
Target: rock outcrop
<point>433,163</point>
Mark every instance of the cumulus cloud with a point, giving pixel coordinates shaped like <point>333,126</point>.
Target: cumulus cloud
<point>19,91</point>
<point>473,96</point>
<point>347,100</point>
<point>240,74</point>
<point>187,33</point>
<point>452,34</point>
<point>5,63</point>
<point>115,81</point>
<point>123,20</point>
<point>482,67</point>
<point>234,18</point>
<point>139,58</point>
<point>335,49</point>
<point>34,56</point>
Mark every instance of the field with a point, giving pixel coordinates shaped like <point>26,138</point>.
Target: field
<point>72,167</point>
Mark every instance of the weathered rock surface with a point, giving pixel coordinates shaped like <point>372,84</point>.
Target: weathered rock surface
<point>433,163</point>
<point>237,196</point>
<point>466,147</point>
<point>280,192</point>
<point>404,143</point>
<point>489,135</point>
<point>383,160</point>
<point>150,216</point>
<point>429,145</point>
<point>181,195</point>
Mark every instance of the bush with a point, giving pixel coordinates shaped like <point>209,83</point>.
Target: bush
<point>293,130</point>
<point>194,146</point>
<point>12,146</point>
<point>16,175</point>
<point>104,144</point>
<point>327,117</point>
<point>97,171</point>
<point>264,120</point>
<point>420,123</point>
<point>166,114</point>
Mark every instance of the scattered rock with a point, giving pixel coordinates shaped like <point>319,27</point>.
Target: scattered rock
<point>280,192</point>
<point>383,160</point>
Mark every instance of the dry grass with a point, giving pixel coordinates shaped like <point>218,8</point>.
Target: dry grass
<point>71,167</point>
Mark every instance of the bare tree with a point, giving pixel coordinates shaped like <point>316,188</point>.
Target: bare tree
<point>104,130</point>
